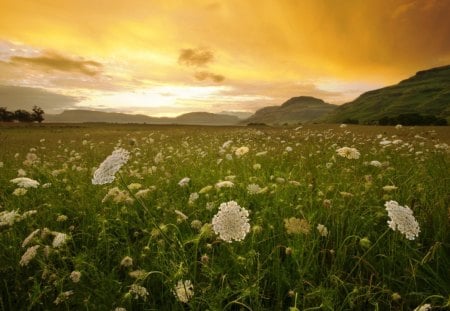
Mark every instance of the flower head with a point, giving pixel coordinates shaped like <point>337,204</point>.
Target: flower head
<point>296,226</point>
<point>184,290</point>
<point>29,255</point>
<point>25,182</point>
<point>231,222</point>
<point>110,166</point>
<point>349,153</point>
<point>402,219</point>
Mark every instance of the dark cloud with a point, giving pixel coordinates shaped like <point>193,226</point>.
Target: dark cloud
<point>204,75</point>
<point>195,57</point>
<point>54,61</point>
<point>18,97</point>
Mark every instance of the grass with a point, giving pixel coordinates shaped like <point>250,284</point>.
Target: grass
<point>361,264</point>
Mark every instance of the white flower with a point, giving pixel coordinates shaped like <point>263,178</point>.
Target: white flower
<point>227,144</point>
<point>75,276</point>
<point>375,163</point>
<point>239,152</point>
<point>25,182</point>
<point>8,218</point>
<point>424,307</point>
<point>30,237</point>
<point>389,188</point>
<point>29,255</point>
<point>138,292</point>
<point>398,126</point>
<point>59,239</point>
<point>253,189</point>
<point>323,231</point>
<point>224,184</point>
<point>193,197</point>
<point>184,290</point>
<point>349,153</point>
<point>184,182</point>
<point>110,166</point>
<point>127,261</point>
<point>343,125</point>
<point>231,222</point>
<point>402,219</point>
<point>19,192</point>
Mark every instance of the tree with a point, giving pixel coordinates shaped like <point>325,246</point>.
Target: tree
<point>23,116</point>
<point>5,115</point>
<point>37,114</point>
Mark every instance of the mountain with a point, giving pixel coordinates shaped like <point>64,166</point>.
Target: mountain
<point>206,118</point>
<point>240,114</point>
<point>301,109</point>
<point>82,116</point>
<point>426,93</point>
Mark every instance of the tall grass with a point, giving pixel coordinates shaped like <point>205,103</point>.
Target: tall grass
<point>361,264</point>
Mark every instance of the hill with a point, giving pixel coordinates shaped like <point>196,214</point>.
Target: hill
<point>426,93</point>
<point>83,116</point>
<point>301,109</point>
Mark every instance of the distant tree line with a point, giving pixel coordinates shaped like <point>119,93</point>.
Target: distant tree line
<point>404,119</point>
<point>412,119</point>
<point>20,115</point>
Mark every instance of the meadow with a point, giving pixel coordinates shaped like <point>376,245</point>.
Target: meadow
<point>304,223</point>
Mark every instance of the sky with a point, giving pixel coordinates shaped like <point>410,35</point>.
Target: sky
<point>165,58</point>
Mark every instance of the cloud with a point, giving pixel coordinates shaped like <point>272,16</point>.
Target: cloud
<point>53,61</point>
<point>204,75</point>
<point>18,97</point>
<point>195,57</point>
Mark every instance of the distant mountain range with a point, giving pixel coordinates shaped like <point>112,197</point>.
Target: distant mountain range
<point>83,116</point>
<point>426,93</point>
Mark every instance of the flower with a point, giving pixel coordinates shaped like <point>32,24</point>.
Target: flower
<point>349,153</point>
<point>424,307</point>
<point>225,184</point>
<point>29,255</point>
<point>231,222</point>
<point>138,291</point>
<point>19,192</point>
<point>323,231</point>
<point>63,297</point>
<point>59,239</point>
<point>239,152</point>
<point>253,189</point>
<point>25,182</point>
<point>127,261</point>
<point>8,218</point>
<point>184,290</point>
<point>110,166</point>
<point>375,163</point>
<point>184,182</point>
<point>75,276</point>
<point>402,219</point>
<point>30,237</point>
<point>296,225</point>
<point>389,188</point>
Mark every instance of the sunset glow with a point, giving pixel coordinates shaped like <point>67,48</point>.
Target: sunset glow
<point>164,58</point>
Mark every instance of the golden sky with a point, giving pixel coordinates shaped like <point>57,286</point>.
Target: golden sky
<point>169,57</point>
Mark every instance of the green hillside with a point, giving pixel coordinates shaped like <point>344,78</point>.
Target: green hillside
<point>426,93</point>
<point>301,109</point>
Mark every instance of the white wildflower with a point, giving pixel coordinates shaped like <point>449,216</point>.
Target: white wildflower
<point>349,153</point>
<point>134,186</point>
<point>127,261</point>
<point>30,237</point>
<point>105,174</point>
<point>184,290</point>
<point>192,198</point>
<point>224,184</point>
<point>20,192</point>
<point>231,222</point>
<point>402,219</point>
<point>239,152</point>
<point>323,231</point>
<point>184,182</point>
<point>253,189</point>
<point>8,218</point>
<point>424,307</point>
<point>375,163</point>
<point>138,292</point>
<point>63,297</point>
<point>30,253</point>
<point>75,276</point>
<point>59,239</point>
<point>25,182</point>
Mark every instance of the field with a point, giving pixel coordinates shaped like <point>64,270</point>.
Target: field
<point>316,236</point>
